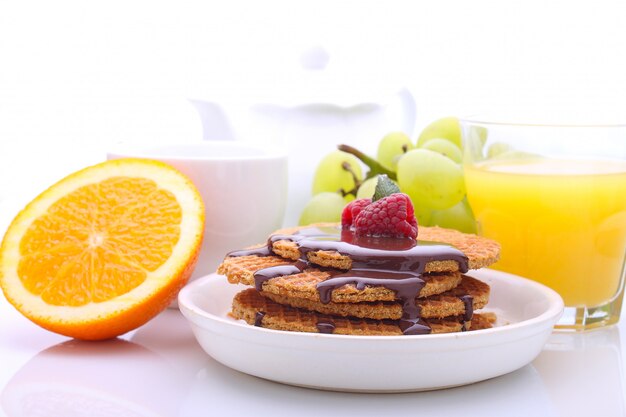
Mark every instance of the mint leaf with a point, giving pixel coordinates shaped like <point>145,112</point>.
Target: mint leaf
<point>384,187</point>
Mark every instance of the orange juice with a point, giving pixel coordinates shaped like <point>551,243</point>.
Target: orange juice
<point>560,222</point>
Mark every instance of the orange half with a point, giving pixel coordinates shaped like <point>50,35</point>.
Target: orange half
<point>104,250</point>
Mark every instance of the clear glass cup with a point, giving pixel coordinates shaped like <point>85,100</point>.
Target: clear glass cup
<point>554,197</point>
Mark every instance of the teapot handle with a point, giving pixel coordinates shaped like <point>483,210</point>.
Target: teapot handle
<point>409,107</point>
<point>215,123</point>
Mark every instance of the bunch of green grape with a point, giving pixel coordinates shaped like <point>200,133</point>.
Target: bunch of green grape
<point>429,171</point>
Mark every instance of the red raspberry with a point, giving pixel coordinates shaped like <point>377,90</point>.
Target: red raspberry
<point>352,210</point>
<point>390,216</point>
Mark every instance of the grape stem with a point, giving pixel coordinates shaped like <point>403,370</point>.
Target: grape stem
<point>375,167</point>
<point>357,183</point>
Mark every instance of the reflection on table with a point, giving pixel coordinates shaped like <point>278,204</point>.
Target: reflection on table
<point>115,377</point>
<point>162,371</point>
<point>583,373</point>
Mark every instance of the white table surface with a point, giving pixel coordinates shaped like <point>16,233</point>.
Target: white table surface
<point>160,370</point>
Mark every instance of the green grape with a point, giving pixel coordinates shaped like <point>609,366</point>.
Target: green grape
<point>367,188</point>
<point>474,142</point>
<point>444,147</point>
<point>503,151</point>
<point>422,214</point>
<point>498,148</point>
<point>446,128</point>
<point>431,179</point>
<point>331,176</point>
<point>323,207</point>
<point>459,217</point>
<point>481,133</point>
<point>391,148</point>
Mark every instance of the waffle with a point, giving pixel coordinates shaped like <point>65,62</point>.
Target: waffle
<point>446,304</point>
<point>303,285</point>
<point>251,306</point>
<point>480,251</point>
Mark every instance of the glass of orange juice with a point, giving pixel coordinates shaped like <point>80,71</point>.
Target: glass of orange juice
<point>554,196</point>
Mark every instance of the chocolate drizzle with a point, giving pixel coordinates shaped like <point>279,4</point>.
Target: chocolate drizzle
<point>468,302</point>
<point>393,263</point>
<point>325,325</point>
<point>277,271</point>
<point>258,318</point>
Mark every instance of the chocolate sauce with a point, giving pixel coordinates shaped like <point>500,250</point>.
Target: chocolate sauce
<point>376,252</point>
<point>325,325</point>
<point>265,274</point>
<point>405,283</point>
<point>393,263</point>
<point>413,326</point>
<point>258,318</point>
<point>468,302</point>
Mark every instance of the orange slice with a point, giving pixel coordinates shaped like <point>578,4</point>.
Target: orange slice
<point>104,250</point>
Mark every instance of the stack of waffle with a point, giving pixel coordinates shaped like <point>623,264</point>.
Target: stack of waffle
<point>320,280</point>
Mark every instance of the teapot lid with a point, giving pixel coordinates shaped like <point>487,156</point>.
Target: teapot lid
<point>309,76</point>
<point>314,77</point>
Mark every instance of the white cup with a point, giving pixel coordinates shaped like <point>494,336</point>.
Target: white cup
<point>243,185</point>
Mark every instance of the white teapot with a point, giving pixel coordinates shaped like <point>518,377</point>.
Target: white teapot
<point>313,110</point>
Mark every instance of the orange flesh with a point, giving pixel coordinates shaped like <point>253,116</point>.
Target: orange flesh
<point>99,242</point>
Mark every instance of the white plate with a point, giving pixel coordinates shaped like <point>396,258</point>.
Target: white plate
<point>526,310</point>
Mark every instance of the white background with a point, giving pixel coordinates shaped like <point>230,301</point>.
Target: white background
<point>76,76</point>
